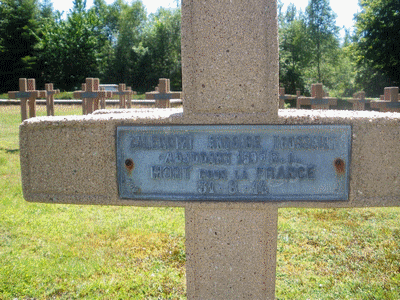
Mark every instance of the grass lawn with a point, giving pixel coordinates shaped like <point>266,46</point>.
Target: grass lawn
<point>52,251</point>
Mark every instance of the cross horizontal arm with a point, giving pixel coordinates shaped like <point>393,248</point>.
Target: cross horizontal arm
<point>375,171</point>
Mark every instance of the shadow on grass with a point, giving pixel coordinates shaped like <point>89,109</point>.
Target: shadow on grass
<point>10,151</point>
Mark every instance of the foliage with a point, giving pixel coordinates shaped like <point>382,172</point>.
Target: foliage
<point>162,41</point>
<point>294,53</point>
<point>126,66</point>
<point>323,41</point>
<point>377,45</point>
<point>119,43</point>
<point>18,42</point>
<point>310,51</point>
<point>115,42</point>
<point>71,49</point>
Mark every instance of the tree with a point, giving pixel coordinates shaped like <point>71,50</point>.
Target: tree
<point>162,41</point>
<point>18,42</point>
<point>126,65</point>
<point>378,36</point>
<point>323,33</point>
<point>46,9</point>
<point>294,54</point>
<point>72,49</point>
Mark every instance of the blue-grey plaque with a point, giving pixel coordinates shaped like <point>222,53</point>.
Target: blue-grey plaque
<point>234,162</point>
<point>162,96</point>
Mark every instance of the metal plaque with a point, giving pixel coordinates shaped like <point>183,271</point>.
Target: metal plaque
<point>320,101</point>
<point>162,96</point>
<point>234,162</point>
<point>22,95</point>
<point>89,95</point>
<point>393,104</point>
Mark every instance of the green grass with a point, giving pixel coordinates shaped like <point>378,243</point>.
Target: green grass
<point>92,252</point>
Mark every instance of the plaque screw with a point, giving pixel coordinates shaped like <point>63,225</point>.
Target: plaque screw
<point>129,164</point>
<point>340,166</point>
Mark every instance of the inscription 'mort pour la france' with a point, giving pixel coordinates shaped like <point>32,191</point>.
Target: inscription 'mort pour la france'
<point>233,163</point>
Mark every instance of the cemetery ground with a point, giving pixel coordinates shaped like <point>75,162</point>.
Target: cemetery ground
<point>52,251</point>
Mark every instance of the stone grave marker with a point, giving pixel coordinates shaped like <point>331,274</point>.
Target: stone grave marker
<point>317,99</point>
<point>283,97</point>
<point>163,95</point>
<point>359,101</point>
<point>90,95</point>
<point>123,94</point>
<point>27,93</point>
<point>129,97</point>
<point>50,98</point>
<point>229,157</point>
<point>391,101</point>
<point>106,95</point>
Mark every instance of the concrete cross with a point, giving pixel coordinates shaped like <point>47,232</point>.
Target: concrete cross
<point>50,98</point>
<point>391,103</point>
<point>163,95</point>
<point>317,99</point>
<point>129,97</point>
<point>359,102</point>
<point>27,91</point>
<point>283,97</point>
<point>90,96</point>
<point>103,97</point>
<point>229,157</point>
<point>123,94</point>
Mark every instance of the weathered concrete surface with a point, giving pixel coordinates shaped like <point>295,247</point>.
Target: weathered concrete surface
<point>73,160</point>
<point>230,56</point>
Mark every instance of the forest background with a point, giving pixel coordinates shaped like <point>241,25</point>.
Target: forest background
<point>119,43</point>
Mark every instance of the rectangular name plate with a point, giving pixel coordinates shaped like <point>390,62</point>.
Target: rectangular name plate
<point>234,162</point>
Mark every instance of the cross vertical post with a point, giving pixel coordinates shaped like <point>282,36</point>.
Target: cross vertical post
<point>123,95</point>
<point>50,98</point>
<point>32,98</point>
<point>92,85</point>
<point>129,100</point>
<point>103,96</point>
<point>23,88</point>
<point>78,95</point>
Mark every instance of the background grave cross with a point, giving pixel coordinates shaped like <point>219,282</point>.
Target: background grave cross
<point>123,94</point>
<point>391,103</point>
<point>359,101</point>
<point>129,96</point>
<point>27,91</point>
<point>283,97</point>
<point>77,95</point>
<point>91,95</point>
<point>163,95</point>
<point>50,98</point>
<point>317,99</point>
<point>103,97</point>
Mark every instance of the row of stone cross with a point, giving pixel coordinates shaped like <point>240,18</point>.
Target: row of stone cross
<point>94,97</point>
<point>28,94</point>
<point>321,100</point>
<point>92,94</point>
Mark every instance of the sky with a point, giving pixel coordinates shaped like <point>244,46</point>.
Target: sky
<point>151,5</point>
<point>344,9</point>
